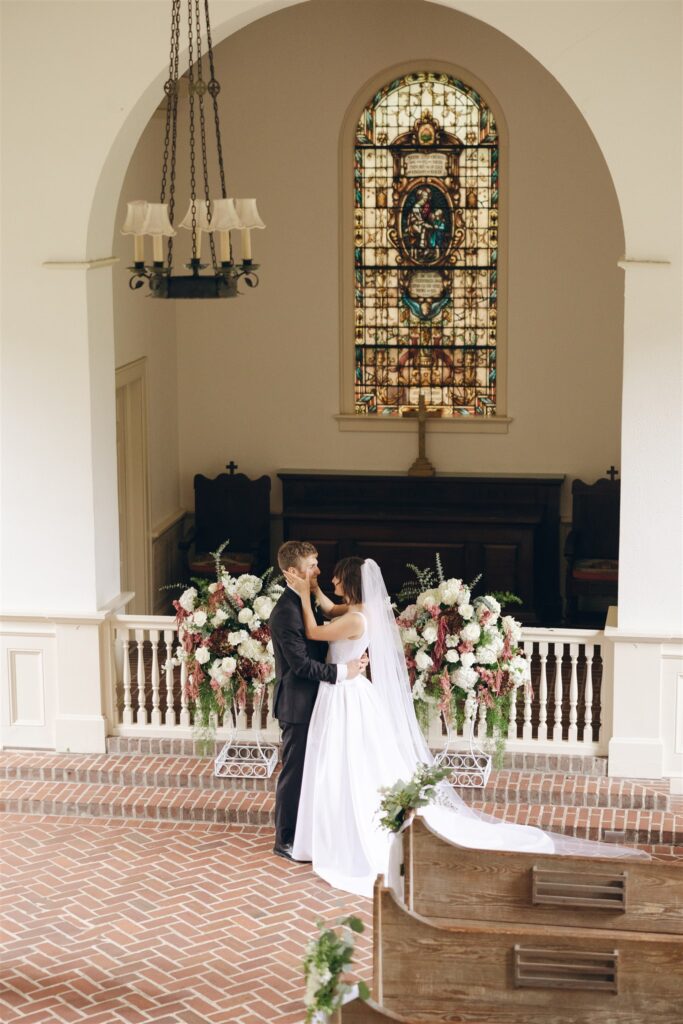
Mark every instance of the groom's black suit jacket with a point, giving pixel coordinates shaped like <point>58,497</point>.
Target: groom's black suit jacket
<point>299,663</point>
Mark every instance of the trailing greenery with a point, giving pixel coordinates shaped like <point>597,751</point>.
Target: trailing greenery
<point>326,959</point>
<point>401,799</point>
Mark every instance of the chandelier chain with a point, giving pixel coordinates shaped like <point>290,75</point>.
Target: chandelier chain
<point>170,135</point>
<point>201,89</point>
<point>214,89</point>
<point>193,176</point>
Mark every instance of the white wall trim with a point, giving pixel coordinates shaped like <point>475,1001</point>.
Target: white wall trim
<point>105,261</point>
<point>167,523</point>
<point>435,424</point>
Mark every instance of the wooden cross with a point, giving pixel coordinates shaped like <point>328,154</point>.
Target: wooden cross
<point>612,472</point>
<point>232,466</point>
<point>422,466</point>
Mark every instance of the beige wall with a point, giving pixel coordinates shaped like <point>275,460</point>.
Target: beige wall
<point>258,377</point>
<point>144,327</point>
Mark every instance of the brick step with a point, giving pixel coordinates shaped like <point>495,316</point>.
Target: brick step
<point>162,772</point>
<point>567,790</point>
<point>582,764</point>
<point>76,799</point>
<point>18,796</point>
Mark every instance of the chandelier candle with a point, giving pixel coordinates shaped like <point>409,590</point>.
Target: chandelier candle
<point>204,214</point>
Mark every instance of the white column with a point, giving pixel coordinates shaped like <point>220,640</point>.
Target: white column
<point>647,732</point>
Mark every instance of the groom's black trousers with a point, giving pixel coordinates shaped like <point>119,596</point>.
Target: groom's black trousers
<point>293,755</point>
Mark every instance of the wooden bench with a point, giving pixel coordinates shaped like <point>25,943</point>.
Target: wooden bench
<point>522,974</point>
<point>445,881</point>
<point>361,1011</point>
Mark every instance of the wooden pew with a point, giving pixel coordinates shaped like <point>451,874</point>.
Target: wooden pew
<point>368,1012</point>
<point>522,974</point>
<point>445,881</point>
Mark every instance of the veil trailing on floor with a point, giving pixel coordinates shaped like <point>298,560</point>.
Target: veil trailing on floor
<point>390,681</point>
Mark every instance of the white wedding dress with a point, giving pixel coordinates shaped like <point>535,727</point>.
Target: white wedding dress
<point>364,735</point>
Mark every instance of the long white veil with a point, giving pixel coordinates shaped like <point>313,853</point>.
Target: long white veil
<point>391,682</point>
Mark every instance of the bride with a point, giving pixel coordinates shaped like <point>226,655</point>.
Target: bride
<point>364,735</point>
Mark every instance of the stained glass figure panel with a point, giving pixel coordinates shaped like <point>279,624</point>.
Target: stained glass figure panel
<point>426,249</point>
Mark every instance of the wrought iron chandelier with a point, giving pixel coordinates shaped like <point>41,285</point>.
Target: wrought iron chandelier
<point>205,215</point>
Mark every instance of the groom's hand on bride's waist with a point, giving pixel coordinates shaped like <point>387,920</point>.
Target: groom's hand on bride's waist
<point>356,667</point>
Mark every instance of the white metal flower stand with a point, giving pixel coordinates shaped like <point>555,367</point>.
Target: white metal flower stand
<point>470,769</point>
<point>246,759</point>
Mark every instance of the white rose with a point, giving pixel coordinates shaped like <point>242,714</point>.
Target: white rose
<point>199,618</point>
<point>228,666</point>
<point>486,655</point>
<point>452,656</point>
<point>520,670</point>
<point>229,583</point>
<point>423,661</point>
<point>255,624</point>
<point>248,586</point>
<point>430,633</point>
<point>187,599</point>
<point>449,591</point>
<point>202,654</point>
<point>269,647</point>
<point>467,660</point>
<point>470,633</point>
<point>250,649</point>
<point>245,615</point>
<point>263,606</point>
<point>463,598</point>
<point>465,678</point>
<point>236,638</point>
<point>427,599</point>
<point>409,636</point>
<point>452,640</point>
<point>219,617</point>
<point>466,610</point>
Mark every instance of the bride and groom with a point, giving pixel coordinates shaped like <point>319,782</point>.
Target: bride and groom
<point>345,736</point>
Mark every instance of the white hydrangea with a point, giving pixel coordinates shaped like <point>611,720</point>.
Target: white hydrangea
<point>520,670</point>
<point>236,638</point>
<point>229,583</point>
<point>409,636</point>
<point>180,656</point>
<point>203,654</point>
<point>463,599</point>
<point>486,655</point>
<point>470,633</point>
<point>427,599</point>
<point>465,678</point>
<point>452,640</point>
<point>430,633</point>
<point>251,649</point>
<point>466,610</point>
<point>213,587</point>
<point>419,690</point>
<point>423,660</point>
<point>263,606</point>
<point>269,647</point>
<point>512,628</point>
<point>487,604</point>
<point>248,586</point>
<point>467,660</point>
<point>452,655</point>
<point>245,615</point>
<point>255,624</point>
<point>199,618</point>
<point>449,591</point>
<point>187,599</point>
<point>219,617</point>
<point>223,669</point>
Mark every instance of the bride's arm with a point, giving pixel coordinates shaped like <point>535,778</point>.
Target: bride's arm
<point>346,627</point>
<point>328,607</point>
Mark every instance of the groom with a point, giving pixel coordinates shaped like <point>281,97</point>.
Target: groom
<point>299,668</point>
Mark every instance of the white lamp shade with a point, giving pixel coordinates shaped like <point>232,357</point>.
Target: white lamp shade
<point>224,215</point>
<point>248,214</point>
<point>157,221</point>
<point>134,223</point>
<point>201,216</point>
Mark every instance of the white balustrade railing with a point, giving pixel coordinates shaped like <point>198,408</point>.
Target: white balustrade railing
<point>567,709</point>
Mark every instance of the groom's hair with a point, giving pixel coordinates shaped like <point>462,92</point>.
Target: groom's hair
<point>294,551</point>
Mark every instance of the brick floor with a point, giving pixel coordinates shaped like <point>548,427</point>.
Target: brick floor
<point>108,921</point>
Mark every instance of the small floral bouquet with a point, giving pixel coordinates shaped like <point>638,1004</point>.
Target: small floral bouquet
<point>326,959</point>
<point>403,798</point>
<point>225,642</point>
<point>459,648</point>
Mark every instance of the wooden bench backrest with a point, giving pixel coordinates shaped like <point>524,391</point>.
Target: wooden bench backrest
<point>446,881</point>
<point>517,974</point>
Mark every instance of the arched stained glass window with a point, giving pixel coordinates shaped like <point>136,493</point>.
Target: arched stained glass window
<point>425,249</point>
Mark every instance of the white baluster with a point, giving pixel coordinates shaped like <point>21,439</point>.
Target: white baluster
<point>184,703</point>
<point>468,724</point>
<point>271,721</point>
<point>481,726</point>
<point>512,723</point>
<point>543,693</point>
<point>169,637</point>
<point>156,709</point>
<point>242,720</point>
<point>435,734</point>
<point>558,647</point>
<point>127,696</point>
<point>573,733</point>
<point>141,681</point>
<point>527,728</point>
<point>588,697</point>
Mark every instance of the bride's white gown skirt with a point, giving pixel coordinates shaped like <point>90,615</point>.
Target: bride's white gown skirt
<point>350,754</point>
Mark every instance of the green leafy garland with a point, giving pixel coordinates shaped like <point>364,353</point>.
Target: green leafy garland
<point>401,799</point>
<point>326,958</point>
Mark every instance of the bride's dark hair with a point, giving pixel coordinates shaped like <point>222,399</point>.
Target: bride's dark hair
<point>348,572</point>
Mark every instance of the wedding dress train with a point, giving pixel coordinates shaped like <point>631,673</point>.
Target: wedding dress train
<point>364,735</point>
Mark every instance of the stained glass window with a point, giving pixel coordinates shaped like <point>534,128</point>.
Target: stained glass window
<point>425,249</point>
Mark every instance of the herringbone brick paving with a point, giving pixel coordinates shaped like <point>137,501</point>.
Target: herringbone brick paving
<point>108,921</point>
